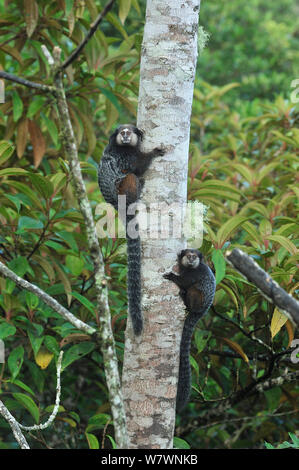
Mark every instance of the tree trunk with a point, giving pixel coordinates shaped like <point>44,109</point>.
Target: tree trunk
<point>150,371</point>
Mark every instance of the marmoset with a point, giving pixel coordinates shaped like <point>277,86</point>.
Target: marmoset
<point>120,174</point>
<point>197,289</point>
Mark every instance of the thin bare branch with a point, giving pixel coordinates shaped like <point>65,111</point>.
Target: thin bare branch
<point>27,83</point>
<point>93,28</point>
<point>105,337</point>
<point>267,286</point>
<point>50,301</point>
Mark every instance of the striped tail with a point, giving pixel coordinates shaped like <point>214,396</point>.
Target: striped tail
<point>184,382</point>
<point>134,283</point>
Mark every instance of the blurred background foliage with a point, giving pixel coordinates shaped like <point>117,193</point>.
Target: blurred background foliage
<point>243,166</point>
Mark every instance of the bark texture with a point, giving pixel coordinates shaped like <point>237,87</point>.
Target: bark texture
<point>168,64</point>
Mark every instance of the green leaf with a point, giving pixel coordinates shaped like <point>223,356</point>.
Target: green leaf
<point>26,223</point>
<point>179,443</point>
<point>29,404</point>
<point>273,397</point>
<point>93,443</point>
<point>25,387</point>
<point>285,242</point>
<point>13,172</point>
<point>111,97</point>
<point>51,344</point>
<point>114,445</point>
<point>17,106</point>
<point>84,301</point>
<point>97,421</point>
<point>6,150</point>
<point>123,10</point>
<point>35,105</point>
<point>6,329</point>
<point>220,265</point>
<point>19,265</point>
<point>36,342</point>
<point>201,338</point>
<point>268,445</point>
<point>52,129</point>
<point>76,352</point>
<point>42,184</point>
<point>75,264</point>
<point>15,361</point>
<point>228,228</point>
<point>32,300</point>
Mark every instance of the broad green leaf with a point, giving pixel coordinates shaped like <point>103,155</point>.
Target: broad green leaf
<point>220,265</point>
<point>93,442</point>
<point>17,106</point>
<point>52,129</point>
<point>228,228</point>
<point>201,338</point>
<point>84,301</point>
<point>35,105</point>
<point>111,97</point>
<point>273,397</point>
<point>26,223</point>
<point>123,9</point>
<point>6,150</point>
<point>75,264</point>
<point>29,404</point>
<point>76,352</point>
<point>285,242</point>
<point>36,342</point>
<point>179,443</point>
<point>6,329</point>
<point>13,172</point>
<point>43,185</point>
<point>98,421</point>
<point>15,361</point>
<point>32,300</point>
<point>19,265</point>
<point>51,344</point>
<point>25,387</point>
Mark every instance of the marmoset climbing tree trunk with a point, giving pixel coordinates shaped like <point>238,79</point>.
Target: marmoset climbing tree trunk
<point>168,64</point>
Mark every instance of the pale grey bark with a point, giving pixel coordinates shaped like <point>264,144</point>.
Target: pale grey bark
<point>169,55</point>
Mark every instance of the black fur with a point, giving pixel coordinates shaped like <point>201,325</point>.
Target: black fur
<point>197,289</point>
<point>118,162</point>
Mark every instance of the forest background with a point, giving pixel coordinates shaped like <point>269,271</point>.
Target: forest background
<point>243,166</point>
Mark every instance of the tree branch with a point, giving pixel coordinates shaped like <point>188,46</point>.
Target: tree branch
<point>267,286</point>
<point>15,427</point>
<point>47,299</point>
<point>51,418</point>
<point>105,337</point>
<point>23,81</point>
<point>93,28</point>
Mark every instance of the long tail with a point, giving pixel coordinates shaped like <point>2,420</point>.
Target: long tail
<point>134,283</point>
<point>184,382</point>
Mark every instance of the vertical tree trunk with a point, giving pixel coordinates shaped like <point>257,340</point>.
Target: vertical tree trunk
<point>169,55</point>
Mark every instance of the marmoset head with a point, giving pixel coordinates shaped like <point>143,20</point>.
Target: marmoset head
<point>126,135</point>
<point>190,258</point>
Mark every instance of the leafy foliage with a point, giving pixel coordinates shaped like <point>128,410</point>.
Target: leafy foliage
<point>243,165</point>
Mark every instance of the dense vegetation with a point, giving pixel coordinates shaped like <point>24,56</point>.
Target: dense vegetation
<point>243,165</point>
